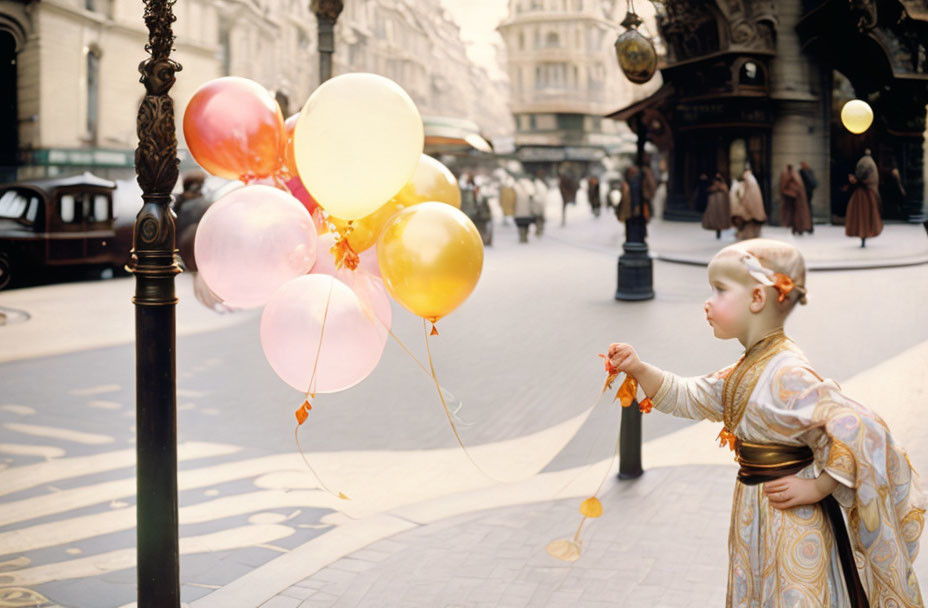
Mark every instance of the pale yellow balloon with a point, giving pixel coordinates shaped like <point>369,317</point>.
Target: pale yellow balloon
<point>357,142</point>
<point>856,116</point>
<point>430,257</point>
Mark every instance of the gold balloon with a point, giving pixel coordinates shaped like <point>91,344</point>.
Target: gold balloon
<point>432,181</point>
<point>364,232</point>
<point>857,116</point>
<point>430,257</point>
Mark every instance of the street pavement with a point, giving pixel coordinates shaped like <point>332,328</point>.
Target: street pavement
<point>424,526</point>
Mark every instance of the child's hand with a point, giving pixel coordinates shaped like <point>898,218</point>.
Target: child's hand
<point>624,357</point>
<point>791,491</point>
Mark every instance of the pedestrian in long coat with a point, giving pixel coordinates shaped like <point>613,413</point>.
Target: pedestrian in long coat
<point>523,209</point>
<point>863,210</point>
<point>507,199</point>
<point>718,208</point>
<point>795,211</point>
<point>747,210</point>
<point>596,202</point>
<point>810,184</point>
<point>568,188</point>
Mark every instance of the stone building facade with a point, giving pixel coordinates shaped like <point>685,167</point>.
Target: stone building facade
<point>69,68</point>
<point>564,77</point>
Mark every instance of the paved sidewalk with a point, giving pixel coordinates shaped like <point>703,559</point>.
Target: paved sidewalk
<point>686,242</point>
<point>661,541</point>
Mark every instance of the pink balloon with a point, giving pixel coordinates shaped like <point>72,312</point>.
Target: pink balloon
<point>369,288</point>
<point>291,326</point>
<point>251,241</point>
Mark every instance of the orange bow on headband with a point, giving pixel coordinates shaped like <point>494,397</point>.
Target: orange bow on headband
<point>779,281</point>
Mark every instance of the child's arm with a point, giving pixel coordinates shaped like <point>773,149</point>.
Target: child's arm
<point>792,491</point>
<point>624,357</point>
<point>697,398</point>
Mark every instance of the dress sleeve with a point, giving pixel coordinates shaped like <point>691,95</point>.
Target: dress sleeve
<point>697,397</point>
<point>877,484</point>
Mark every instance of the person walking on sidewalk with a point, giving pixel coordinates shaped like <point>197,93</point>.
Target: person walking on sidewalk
<point>596,202</point>
<point>795,210</point>
<point>568,188</point>
<point>718,209</point>
<point>804,448</point>
<point>523,209</point>
<point>863,210</point>
<point>747,207</point>
<point>538,202</point>
<point>507,198</point>
<point>810,184</point>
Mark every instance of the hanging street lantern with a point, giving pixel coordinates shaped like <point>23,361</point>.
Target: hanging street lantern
<point>637,56</point>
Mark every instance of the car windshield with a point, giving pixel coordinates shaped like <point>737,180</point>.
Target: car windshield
<point>14,204</point>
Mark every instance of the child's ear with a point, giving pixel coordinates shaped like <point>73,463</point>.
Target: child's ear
<point>758,298</point>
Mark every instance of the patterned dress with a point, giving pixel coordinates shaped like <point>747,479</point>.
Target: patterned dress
<point>787,558</point>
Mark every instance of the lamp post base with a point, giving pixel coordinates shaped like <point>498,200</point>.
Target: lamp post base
<point>630,443</point>
<point>635,273</point>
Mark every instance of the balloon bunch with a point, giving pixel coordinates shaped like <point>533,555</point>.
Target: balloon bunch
<point>340,207</point>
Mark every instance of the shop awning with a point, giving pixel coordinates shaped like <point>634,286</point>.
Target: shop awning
<point>445,135</point>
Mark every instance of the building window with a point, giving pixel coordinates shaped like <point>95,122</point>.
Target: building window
<point>552,40</point>
<point>545,122</point>
<point>521,41</point>
<point>93,93</point>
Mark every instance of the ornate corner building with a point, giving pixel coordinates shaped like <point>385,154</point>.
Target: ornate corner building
<point>763,82</point>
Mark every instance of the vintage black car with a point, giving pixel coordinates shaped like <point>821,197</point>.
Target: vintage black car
<point>62,225</point>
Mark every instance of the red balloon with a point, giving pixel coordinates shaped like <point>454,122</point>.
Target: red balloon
<point>298,190</point>
<point>289,160</point>
<point>234,129</point>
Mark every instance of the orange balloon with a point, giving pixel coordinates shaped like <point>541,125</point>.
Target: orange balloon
<point>289,160</point>
<point>234,129</point>
<point>432,181</point>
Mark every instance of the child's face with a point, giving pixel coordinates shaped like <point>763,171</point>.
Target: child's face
<point>728,308</point>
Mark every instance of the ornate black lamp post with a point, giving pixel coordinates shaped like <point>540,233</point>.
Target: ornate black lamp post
<point>638,60</point>
<point>154,268</point>
<point>327,12</point>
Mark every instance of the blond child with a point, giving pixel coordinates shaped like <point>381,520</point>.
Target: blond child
<point>805,450</point>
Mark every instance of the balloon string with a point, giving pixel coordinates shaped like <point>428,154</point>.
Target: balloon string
<point>309,390</point>
<point>586,416</point>
<point>588,454</point>
<point>444,405</point>
<point>325,317</point>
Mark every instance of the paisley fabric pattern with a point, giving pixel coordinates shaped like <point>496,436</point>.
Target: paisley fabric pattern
<point>787,559</point>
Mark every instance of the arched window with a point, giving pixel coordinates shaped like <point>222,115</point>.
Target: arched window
<point>93,93</point>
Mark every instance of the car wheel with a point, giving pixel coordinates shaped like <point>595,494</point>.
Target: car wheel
<point>6,271</point>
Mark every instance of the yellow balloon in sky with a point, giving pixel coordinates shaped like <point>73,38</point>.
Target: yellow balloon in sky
<point>432,181</point>
<point>356,143</point>
<point>856,116</point>
<point>430,257</point>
